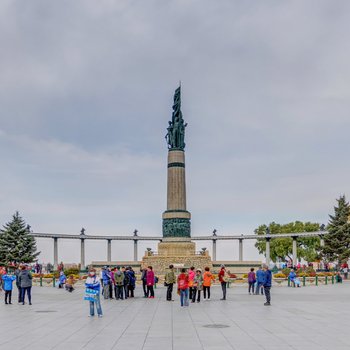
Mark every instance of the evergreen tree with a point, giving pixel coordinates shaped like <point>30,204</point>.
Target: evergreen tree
<point>16,243</point>
<point>337,242</point>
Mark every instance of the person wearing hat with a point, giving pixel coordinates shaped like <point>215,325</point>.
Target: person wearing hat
<point>197,286</point>
<point>93,287</point>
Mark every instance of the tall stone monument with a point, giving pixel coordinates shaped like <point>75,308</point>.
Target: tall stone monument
<point>176,246</point>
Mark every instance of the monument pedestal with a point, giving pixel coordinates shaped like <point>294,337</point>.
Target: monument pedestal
<point>180,252</point>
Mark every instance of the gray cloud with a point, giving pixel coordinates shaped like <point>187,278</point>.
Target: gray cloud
<point>86,91</point>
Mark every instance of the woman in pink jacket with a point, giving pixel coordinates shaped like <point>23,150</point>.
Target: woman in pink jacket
<point>150,282</point>
<point>191,275</point>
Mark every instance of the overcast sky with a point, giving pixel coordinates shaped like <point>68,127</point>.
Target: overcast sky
<point>86,90</point>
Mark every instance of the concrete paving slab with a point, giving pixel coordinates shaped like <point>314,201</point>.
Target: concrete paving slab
<point>304,318</point>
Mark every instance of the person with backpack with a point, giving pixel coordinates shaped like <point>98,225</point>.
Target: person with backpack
<point>182,287</point>
<point>92,293</point>
<point>150,282</point>
<point>251,281</point>
<point>207,279</point>
<point>7,286</point>
<point>119,281</point>
<point>169,281</point>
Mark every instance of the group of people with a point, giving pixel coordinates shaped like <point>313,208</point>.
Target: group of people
<point>190,284</point>
<point>67,283</point>
<point>260,282</point>
<point>23,279</point>
<point>118,281</point>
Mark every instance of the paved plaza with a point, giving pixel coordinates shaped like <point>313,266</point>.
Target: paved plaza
<point>306,318</point>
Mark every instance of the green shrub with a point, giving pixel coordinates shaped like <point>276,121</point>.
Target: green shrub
<point>71,271</point>
<point>286,271</point>
<point>279,275</point>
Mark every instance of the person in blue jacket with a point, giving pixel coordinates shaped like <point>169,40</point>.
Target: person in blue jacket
<point>93,282</point>
<point>260,279</point>
<point>267,284</point>
<point>292,276</point>
<point>7,286</point>
<point>62,280</point>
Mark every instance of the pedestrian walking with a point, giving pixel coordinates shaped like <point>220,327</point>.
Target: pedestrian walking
<point>25,281</point>
<point>150,282</point>
<point>260,279</point>
<point>169,281</point>
<point>197,286</point>
<point>92,293</point>
<point>182,287</point>
<point>251,281</point>
<point>223,279</point>
<point>207,279</point>
<point>7,286</point>
<point>267,284</point>
<point>119,284</point>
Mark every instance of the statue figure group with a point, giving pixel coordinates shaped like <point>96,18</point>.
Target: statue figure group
<point>176,129</point>
<point>176,227</point>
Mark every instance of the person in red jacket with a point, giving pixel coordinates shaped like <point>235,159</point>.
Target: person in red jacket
<point>182,287</point>
<point>223,280</point>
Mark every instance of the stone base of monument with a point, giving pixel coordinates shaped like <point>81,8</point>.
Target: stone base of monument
<point>178,251</point>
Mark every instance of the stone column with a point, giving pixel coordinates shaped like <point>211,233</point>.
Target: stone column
<point>109,250</point>
<point>55,253</point>
<point>135,249</point>
<point>321,241</point>
<point>176,219</point>
<point>240,257</point>
<point>82,254</point>
<point>295,257</point>
<point>267,250</point>
<point>214,249</point>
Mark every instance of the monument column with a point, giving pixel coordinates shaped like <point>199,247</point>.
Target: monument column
<point>267,250</point>
<point>82,254</point>
<point>295,257</point>
<point>176,219</point>
<point>135,249</point>
<point>109,250</point>
<point>55,253</point>
<point>240,257</point>
<point>214,249</point>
